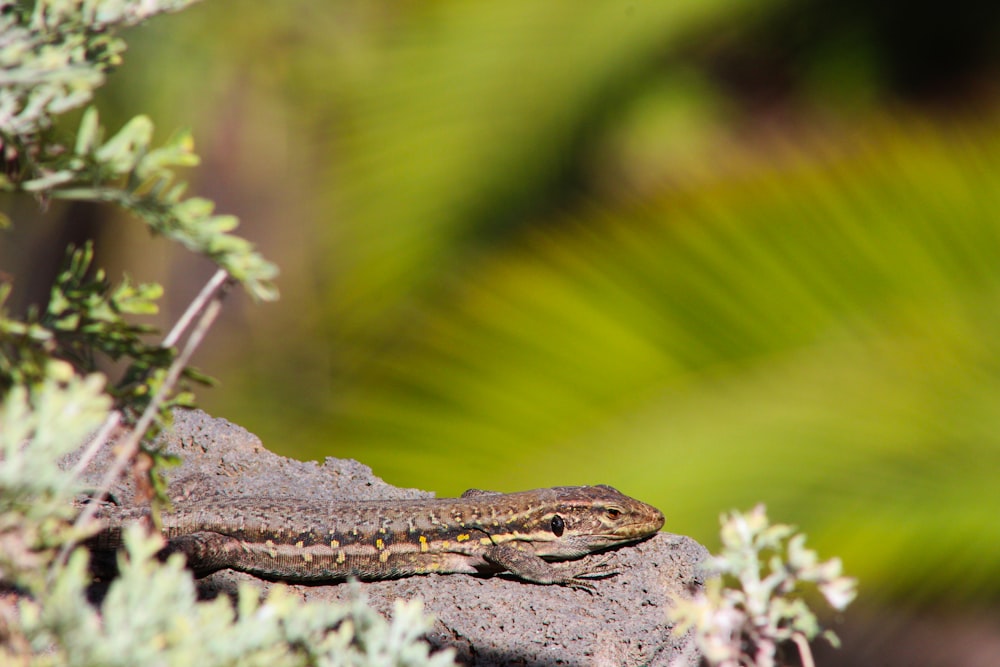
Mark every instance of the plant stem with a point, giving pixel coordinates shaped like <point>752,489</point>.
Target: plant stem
<point>130,447</point>
<point>805,653</point>
<point>195,307</point>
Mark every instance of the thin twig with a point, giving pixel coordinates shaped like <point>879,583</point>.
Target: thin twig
<point>182,324</point>
<point>805,653</point>
<point>130,447</point>
<point>210,288</point>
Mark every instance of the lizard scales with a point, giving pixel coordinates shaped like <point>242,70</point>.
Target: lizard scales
<point>481,532</point>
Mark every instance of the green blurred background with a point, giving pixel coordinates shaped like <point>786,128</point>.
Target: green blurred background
<point>710,252</point>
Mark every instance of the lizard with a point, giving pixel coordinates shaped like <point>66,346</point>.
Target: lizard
<point>481,532</point>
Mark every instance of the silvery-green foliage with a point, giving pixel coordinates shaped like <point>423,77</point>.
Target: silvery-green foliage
<point>129,171</point>
<point>753,599</point>
<point>55,53</point>
<point>151,616</point>
<point>40,424</point>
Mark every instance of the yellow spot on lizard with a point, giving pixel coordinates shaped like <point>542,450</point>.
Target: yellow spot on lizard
<point>341,557</point>
<point>379,544</point>
<point>423,544</point>
<point>463,537</point>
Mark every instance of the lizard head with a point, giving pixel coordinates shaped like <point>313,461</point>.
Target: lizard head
<point>579,520</point>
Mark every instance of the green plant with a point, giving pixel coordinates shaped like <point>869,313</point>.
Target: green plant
<point>151,615</point>
<point>53,55</point>
<point>754,598</point>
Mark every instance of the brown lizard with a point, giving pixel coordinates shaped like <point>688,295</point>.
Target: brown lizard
<point>481,532</point>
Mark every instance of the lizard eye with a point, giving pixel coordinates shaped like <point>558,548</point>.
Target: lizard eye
<point>558,525</point>
<point>614,512</point>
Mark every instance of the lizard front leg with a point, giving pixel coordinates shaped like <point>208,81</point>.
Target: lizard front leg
<point>527,566</point>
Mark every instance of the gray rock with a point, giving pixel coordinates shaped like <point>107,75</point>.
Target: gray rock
<point>489,621</point>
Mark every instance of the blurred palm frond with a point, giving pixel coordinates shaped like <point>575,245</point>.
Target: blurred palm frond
<point>817,333</point>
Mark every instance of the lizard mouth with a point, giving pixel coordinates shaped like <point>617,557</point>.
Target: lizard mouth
<point>640,528</point>
<point>631,534</point>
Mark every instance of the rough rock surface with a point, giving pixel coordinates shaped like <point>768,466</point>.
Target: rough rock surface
<point>489,621</point>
